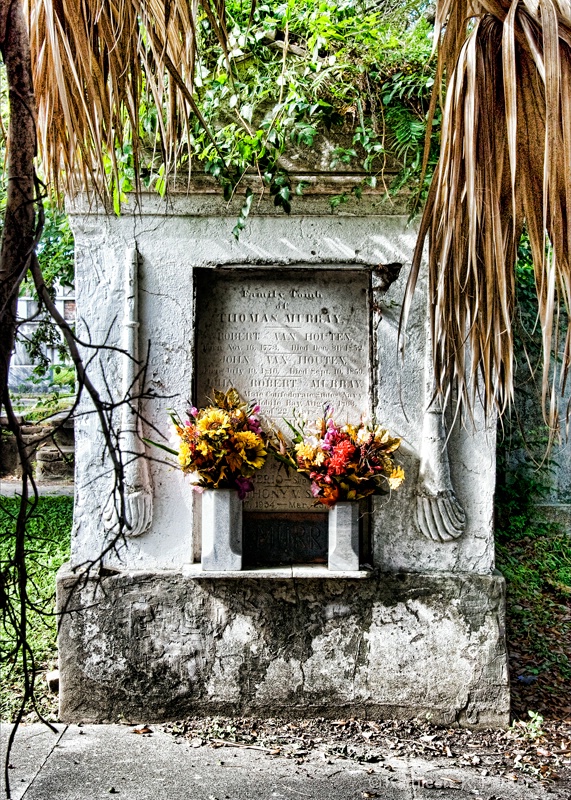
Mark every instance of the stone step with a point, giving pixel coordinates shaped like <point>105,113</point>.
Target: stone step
<point>4,421</point>
<point>36,438</point>
<point>54,453</point>
<point>59,427</point>
<point>64,436</point>
<point>54,464</point>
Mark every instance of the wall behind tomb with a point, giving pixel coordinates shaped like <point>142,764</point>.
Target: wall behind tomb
<point>174,238</point>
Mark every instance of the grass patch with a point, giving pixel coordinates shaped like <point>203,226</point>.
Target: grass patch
<point>48,548</point>
<point>534,555</point>
<point>537,569</point>
<point>45,410</point>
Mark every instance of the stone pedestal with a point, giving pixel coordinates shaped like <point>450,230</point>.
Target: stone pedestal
<point>145,646</point>
<point>221,530</point>
<point>344,536</point>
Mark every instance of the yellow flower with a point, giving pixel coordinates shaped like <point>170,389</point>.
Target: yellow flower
<point>214,422</point>
<point>319,458</point>
<point>351,430</point>
<point>396,477</point>
<point>204,448</point>
<point>184,454</point>
<point>251,447</point>
<point>305,451</point>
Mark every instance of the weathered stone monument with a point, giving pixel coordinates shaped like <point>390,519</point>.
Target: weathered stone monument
<point>301,311</point>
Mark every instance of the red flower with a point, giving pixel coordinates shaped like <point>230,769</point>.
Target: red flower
<point>342,454</point>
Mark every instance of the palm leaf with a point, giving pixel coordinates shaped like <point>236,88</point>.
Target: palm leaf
<point>94,61</point>
<point>505,161</point>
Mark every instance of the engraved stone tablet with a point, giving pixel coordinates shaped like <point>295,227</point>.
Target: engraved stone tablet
<point>276,539</point>
<point>291,340</point>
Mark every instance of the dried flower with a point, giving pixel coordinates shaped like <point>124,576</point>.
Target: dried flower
<point>221,446</point>
<point>343,462</point>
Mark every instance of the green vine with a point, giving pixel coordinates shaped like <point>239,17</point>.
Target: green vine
<point>296,71</point>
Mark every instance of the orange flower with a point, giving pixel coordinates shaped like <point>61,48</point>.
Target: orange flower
<point>330,495</point>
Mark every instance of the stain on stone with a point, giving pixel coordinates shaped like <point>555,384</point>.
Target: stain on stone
<point>386,274</point>
<point>163,646</point>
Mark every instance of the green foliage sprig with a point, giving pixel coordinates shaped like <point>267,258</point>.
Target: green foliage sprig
<point>48,539</point>
<point>295,71</point>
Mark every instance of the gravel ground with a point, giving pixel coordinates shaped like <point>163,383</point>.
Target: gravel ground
<point>529,753</point>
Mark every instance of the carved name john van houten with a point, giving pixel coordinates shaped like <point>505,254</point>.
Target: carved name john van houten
<point>291,340</point>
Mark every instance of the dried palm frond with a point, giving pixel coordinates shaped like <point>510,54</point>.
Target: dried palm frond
<point>93,63</point>
<point>505,161</point>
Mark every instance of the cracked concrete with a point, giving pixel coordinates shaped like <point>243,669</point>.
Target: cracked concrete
<point>140,646</point>
<point>95,761</point>
<point>425,636</point>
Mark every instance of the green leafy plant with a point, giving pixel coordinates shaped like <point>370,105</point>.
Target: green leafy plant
<point>48,405</point>
<point>48,540</point>
<point>286,74</point>
<point>533,553</point>
<point>296,71</point>
<point>532,728</point>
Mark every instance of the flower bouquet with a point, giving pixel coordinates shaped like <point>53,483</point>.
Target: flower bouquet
<point>221,446</point>
<point>343,462</point>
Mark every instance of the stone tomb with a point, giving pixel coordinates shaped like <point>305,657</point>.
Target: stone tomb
<point>301,311</point>
<point>293,341</point>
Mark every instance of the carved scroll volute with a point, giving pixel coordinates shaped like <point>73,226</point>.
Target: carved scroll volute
<point>138,490</point>
<point>439,514</point>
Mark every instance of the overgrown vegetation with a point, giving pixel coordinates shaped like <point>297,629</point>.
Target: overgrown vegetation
<point>533,553</point>
<point>537,568</point>
<point>45,406</point>
<point>48,540</point>
<point>293,72</point>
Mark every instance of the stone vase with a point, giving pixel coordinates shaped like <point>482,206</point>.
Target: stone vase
<point>221,530</point>
<point>344,537</point>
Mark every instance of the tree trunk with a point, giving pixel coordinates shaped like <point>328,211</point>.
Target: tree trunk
<point>18,238</point>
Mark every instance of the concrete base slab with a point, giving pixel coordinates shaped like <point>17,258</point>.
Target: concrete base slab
<point>96,761</point>
<point>156,646</point>
<point>33,745</point>
<point>311,571</point>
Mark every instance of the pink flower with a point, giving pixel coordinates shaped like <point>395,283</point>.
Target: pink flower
<point>254,425</point>
<point>244,486</point>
